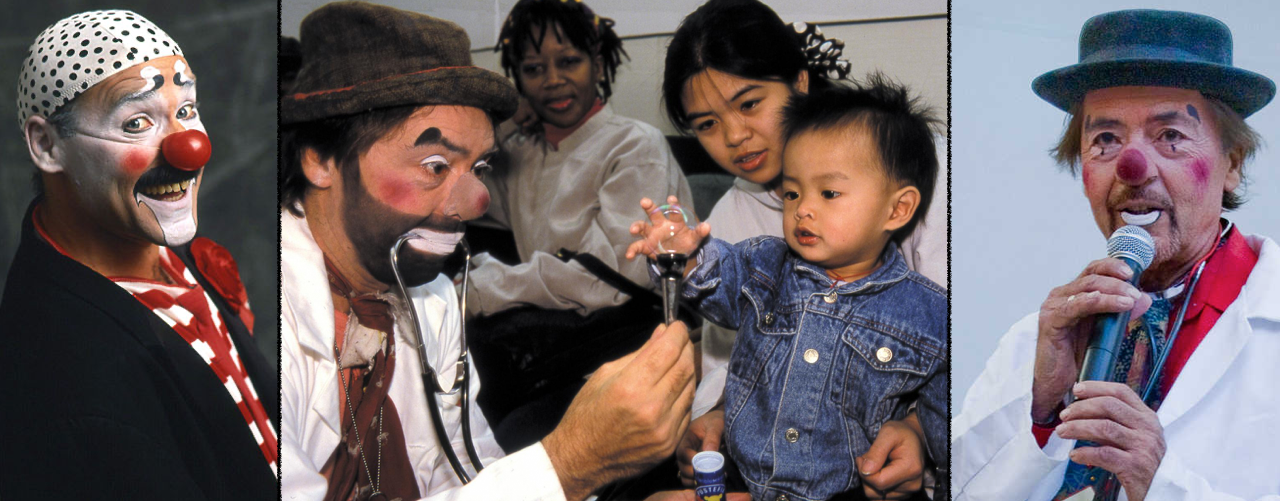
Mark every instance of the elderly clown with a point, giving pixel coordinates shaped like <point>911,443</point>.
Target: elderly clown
<point>1158,134</point>
<point>125,352</point>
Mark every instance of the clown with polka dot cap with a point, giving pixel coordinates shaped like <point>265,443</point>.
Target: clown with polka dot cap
<point>107,106</point>
<point>127,68</point>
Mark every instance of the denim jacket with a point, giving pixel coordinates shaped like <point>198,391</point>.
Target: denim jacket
<point>816,371</point>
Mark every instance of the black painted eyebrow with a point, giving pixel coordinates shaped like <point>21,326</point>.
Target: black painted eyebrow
<point>694,116</point>
<point>427,138</point>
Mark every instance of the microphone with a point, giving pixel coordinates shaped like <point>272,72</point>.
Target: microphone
<point>1134,246</point>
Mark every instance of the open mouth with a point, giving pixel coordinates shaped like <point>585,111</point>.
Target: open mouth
<point>165,183</point>
<point>559,104</point>
<point>805,237</point>
<point>1140,217</point>
<point>750,161</point>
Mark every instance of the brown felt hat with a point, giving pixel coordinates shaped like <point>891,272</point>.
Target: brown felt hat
<point>358,57</point>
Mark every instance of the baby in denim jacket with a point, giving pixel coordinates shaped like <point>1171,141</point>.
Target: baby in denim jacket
<point>835,335</point>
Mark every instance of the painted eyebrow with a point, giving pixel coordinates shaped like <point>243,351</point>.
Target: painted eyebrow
<point>144,95</point>
<point>133,97</point>
<point>694,116</point>
<point>428,138</point>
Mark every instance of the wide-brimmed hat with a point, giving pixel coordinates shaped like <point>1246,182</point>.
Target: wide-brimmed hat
<point>1156,48</point>
<point>358,57</point>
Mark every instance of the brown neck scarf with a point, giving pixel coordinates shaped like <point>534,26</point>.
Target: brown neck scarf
<point>347,470</point>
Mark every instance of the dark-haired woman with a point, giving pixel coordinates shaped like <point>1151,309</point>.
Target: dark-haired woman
<point>730,69</point>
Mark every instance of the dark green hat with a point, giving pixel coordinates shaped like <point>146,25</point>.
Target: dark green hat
<point>1156,48</point>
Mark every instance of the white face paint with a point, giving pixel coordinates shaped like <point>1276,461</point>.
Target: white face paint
<point>434,242</point>
<point>115,163</point>
<point>175,218</point>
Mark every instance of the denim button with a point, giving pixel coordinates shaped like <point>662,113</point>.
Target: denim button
<point>829,298</point>
<point>884,354</point>
<point>783,497</point>
<point>768,318</point>
<point>811,355</point>
<point>792,435</point>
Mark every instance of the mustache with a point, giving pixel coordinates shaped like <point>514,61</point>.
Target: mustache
<point>1127,193</point>
<point>165,174</point>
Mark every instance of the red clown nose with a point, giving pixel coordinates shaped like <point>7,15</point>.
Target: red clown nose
<point>187,150</point>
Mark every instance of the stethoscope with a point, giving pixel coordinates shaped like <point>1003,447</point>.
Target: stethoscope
<point>1177,323</point>
<point>430,383</point>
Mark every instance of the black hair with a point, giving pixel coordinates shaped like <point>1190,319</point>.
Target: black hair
<point>531,20</point>
<point>739,37</point>
<point>342,138</point>
<point>900,125</point>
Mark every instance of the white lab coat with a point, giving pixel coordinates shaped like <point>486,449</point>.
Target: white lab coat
<point>1221,417</point>
<point>311,393</point>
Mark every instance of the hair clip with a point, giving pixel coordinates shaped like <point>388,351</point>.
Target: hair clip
<point>823,55</point>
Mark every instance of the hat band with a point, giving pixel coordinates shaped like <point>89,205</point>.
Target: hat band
<point>1155,52</point>
<point>305,95</point>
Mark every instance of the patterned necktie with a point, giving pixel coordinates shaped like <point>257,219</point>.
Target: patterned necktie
<point>356,466</point>
<point>1134,365</point>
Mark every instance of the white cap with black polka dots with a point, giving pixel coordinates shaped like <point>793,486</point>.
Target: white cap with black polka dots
<point>82,50</point>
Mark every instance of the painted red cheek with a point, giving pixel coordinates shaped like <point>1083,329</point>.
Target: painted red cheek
<point>1200,170</point>
<point>1132,167</point>
<point>137,160</point>
<point>1084,175</point>
<point>397,194</point>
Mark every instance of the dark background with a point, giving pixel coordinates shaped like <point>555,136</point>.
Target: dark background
<point>231,47</point>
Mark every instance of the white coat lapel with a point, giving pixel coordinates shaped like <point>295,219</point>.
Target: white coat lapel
<point>1259,298</point>
<point>1211,359</point>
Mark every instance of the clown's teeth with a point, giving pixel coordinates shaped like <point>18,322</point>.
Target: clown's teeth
<point>1140,219</point>
<point>164,189</point>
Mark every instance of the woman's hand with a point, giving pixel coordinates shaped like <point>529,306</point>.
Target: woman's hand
<point>703,435</point>
<point>893,468</point>
<point>526,119</point>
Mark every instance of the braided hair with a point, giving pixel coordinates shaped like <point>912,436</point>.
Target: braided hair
<point>531,20</point>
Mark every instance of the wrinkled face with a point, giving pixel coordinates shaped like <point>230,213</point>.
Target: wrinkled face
<point>558,79</point>
<point>114,160</point>
<point>738,121</point>
<point>1151,157</point>
<point>836,198</point>
<point>421,179</point>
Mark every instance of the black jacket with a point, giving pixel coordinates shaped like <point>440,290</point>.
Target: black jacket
<point>100,399</point>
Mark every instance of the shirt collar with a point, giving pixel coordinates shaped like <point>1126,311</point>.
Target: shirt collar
<point>893,270</point>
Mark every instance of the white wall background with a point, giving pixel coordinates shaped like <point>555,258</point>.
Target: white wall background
<point>1019,225</point>
<point>912,51</point>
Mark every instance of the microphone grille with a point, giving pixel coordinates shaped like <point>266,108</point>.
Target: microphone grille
<point>1134,243</point>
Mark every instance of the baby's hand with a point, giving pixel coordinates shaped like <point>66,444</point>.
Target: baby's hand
<point>660,231</point>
